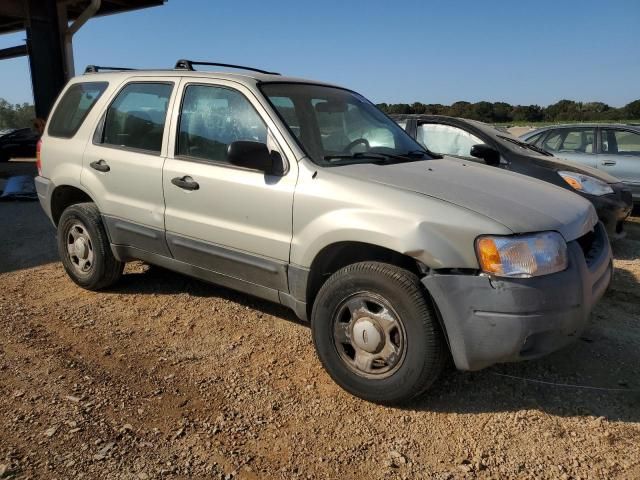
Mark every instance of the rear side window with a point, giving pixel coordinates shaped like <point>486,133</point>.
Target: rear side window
<point>620,142</point>
<point>136,117</point>
<point>74,107</point>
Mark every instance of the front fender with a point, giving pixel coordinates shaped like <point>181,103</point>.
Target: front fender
<point>334,209</point>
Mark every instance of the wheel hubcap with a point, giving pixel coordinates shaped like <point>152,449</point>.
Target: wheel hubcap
<point>80,248</point>
<point>369,336</point>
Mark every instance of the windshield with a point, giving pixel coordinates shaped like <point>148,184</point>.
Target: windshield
<point>526,146</point>
<point>337,127</point>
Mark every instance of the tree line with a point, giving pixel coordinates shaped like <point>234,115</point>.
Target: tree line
<point>501,112</point>
<point>22,115</point>
<point>16,115</point>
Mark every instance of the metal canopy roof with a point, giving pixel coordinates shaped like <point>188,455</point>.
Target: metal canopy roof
<point>13,13</point>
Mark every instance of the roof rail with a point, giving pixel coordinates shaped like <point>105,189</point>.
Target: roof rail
<point>184,64</point>
<point>97,68</point>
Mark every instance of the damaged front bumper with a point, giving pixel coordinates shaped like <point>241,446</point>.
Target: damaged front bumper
<point>495,320</point>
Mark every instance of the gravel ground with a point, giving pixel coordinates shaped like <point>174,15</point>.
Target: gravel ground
<point>167,377</point>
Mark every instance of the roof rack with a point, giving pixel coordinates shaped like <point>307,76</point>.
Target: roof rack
<point>184,64</point>
<point>97,68</point>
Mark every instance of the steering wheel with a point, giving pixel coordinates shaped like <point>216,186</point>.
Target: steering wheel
<point>358,141</point>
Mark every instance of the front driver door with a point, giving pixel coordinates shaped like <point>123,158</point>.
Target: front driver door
<point>236,222</point>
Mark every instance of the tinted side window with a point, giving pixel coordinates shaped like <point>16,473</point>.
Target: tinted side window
<point>213,117</point>
<point>447,139</point>
<point>579,140</point>
<point>553,141</point>
<point>73,108</point>
<point>535,139</point>
<point>136,117</point>
<point>620,142</point>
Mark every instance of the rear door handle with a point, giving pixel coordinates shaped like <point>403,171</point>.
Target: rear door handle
<point>186,183</point>
<point>608,162</point>
<point>100,165</point>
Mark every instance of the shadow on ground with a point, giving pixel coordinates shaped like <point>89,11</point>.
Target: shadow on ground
<point>27,238</point>
<point>607,356</point>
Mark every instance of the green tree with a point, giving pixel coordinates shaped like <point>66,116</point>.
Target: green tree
<point>15,116</point>
<point>632,110</point>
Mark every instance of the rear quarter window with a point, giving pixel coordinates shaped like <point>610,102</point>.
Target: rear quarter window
<point>74,107</point>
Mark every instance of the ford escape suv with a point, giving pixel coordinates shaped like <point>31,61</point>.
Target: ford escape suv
<point>304,193</point>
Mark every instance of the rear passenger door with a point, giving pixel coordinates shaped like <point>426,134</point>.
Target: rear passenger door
<point>238,222</point>
<point>619,155</point>
<point>123,163</point>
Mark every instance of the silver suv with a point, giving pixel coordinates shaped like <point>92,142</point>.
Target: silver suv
<point>305,194</point>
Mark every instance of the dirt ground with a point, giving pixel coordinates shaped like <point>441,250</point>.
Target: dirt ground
<point>168,377</point>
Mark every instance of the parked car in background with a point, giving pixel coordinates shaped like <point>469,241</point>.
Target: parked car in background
<point>19,143</point>
<point>611,148</point>
<point>480,142</point>
<point>6,131</point>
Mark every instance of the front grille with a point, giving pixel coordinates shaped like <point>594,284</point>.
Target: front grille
<point>591,244</point>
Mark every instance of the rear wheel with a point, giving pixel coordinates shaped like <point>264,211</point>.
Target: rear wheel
<point>376,333</point>
<point>84,248</point>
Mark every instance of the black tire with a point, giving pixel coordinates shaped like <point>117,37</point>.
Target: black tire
<point>425,352</point>
<point>4,156</point>
<point>104,270</point>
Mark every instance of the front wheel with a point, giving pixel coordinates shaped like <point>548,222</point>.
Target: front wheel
<point>376,333</point>
<point>84,248</point>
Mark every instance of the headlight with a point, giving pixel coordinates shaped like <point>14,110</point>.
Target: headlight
<point>522,256</point>
<point>585,183</point>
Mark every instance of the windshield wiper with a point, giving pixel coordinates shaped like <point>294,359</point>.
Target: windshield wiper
<point>422,153</point>
<point>527,146</point>
<point>381,157</point>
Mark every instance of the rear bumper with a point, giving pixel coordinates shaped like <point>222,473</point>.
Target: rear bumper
<point>490,321</point>
<point>45,187</point>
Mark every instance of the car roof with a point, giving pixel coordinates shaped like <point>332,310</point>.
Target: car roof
<point>581,125</point>
<point>246,78</point>
<point>484,127</point>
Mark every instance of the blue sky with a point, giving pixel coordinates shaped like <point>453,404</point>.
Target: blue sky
<point>390,51</point>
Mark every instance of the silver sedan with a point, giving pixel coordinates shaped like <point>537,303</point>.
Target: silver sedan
<point>613,148</point>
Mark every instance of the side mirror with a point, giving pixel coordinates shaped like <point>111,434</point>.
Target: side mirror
<point>256,156</point>
<point>489,154</point>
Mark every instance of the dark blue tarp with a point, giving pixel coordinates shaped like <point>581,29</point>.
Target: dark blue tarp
<point>19,187</point>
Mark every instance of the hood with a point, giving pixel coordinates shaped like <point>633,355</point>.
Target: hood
<point>520,203</point>
<point>558,164</point>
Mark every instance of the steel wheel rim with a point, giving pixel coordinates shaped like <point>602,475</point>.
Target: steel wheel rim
<point>80,248</point>
<point>369,335</point>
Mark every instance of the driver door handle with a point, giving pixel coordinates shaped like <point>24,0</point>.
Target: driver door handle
<point>100,166</point>
<point>186,183</point>
<point>608,162</point>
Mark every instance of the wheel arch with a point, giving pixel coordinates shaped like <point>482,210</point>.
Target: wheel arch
<point>63,196</point>
<point>338,255</point>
